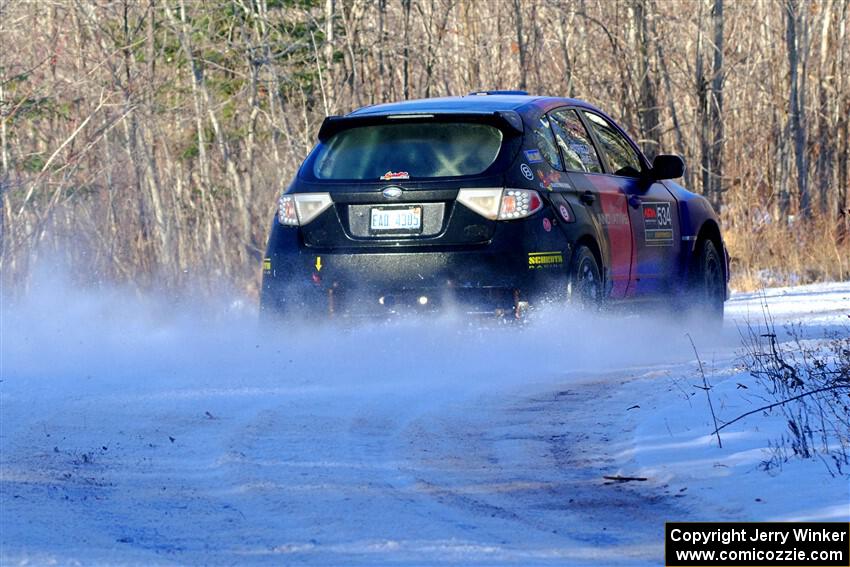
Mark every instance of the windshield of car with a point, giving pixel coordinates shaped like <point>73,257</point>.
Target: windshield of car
<point>409,150</point>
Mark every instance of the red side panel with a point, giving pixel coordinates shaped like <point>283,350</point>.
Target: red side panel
<point>615,220</point>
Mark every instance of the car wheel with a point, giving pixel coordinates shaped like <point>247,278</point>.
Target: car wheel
<point>709,285</point>
<point>585,283</point>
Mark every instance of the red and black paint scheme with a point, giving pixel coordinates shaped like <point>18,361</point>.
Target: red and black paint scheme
<point>574,210</point>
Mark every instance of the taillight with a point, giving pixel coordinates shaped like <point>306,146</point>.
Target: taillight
<point>286,211</point>
<point>485,202</point>
<point>501,204</point>
<point>300,208</point>
<point>519,203</point>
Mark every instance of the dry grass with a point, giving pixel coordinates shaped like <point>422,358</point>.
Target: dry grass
<point>776,254</point>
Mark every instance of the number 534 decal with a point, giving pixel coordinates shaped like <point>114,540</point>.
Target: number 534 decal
<point>658,224</point>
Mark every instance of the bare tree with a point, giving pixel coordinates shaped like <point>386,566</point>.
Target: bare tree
<point>795,37</point>
<point>648,105</point>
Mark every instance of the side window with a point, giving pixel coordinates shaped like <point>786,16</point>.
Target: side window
<point>574,141</point>
<point>621,156</point>
<point>545,141</point>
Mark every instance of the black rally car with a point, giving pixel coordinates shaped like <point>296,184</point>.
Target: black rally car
<point>491,202</point>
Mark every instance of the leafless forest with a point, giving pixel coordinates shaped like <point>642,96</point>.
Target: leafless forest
<point>147,141</point>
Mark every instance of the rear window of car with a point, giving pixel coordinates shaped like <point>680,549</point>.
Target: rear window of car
<point>409,150</point>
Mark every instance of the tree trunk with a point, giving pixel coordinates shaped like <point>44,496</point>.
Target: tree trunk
<point>330,91</point>
<point>710,107</point>
<point>794,26</point>
<point>825,150</point>
<point>840,114</point>
<point>680,146</point>
<point>382,70</point>
<point>564,28</point>
<point>648,101</point>
<point>405,85</point>
<point>521,45</point>
<point>701,85</point>
<point>715,110</point>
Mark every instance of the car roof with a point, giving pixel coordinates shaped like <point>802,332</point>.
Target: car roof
<point>469,103</point>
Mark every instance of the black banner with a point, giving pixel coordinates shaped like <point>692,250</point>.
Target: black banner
<point>757,544</point>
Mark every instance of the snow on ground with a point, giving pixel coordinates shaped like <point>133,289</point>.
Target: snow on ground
<point>136,431</point>
<point>673,445</point>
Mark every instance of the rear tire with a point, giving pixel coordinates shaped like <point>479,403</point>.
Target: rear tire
<point>708,287</point>
<point>585,280</point>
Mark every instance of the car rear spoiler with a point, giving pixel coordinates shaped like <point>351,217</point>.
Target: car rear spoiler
<point>506,120</point>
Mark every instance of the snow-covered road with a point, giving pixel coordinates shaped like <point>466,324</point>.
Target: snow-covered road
<point>135,432</point>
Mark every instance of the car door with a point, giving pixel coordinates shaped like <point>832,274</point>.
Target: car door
<point>652,209</point>
<point>606,199</point>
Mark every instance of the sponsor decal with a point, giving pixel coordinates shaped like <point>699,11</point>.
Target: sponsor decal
<point>533,156</point>
<point>526,171</point>
<point>547,225</point>
<point>549,180</point>
<point>565,213</point>
<point>391,175</point>
<point>318,263</point>
<point>614,219</point>
<point>539,260</point>
<point>657,224</point>
<point>267,265</point>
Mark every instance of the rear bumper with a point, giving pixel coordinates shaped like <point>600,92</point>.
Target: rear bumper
<point>488,279</point>
<point>348,303</point>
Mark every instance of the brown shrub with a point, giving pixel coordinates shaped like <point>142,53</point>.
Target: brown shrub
<point>767,253</point>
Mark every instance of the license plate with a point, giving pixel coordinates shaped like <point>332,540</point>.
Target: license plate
<point>396,219</point>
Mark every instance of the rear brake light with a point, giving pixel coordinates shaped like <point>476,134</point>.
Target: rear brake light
<point>301,208</point>
<point>501,204</point>
<point>286,211</point>
<point>519,203</point>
